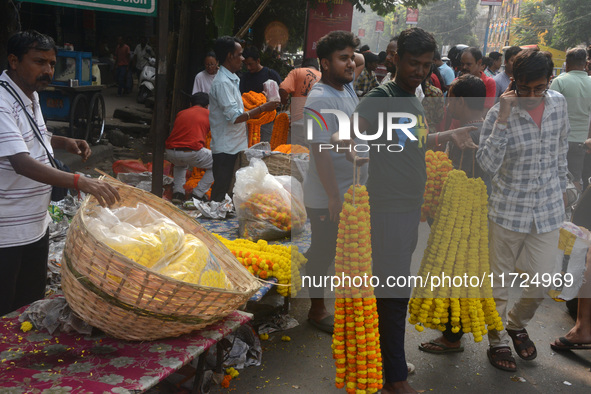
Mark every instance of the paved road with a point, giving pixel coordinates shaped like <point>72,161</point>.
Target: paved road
<point>305,364</point>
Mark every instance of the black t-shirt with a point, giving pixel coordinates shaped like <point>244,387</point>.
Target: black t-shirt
<point>254,81</point>
<point>396,180</point>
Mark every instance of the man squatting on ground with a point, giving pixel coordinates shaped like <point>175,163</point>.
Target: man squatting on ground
<point>26,176</point>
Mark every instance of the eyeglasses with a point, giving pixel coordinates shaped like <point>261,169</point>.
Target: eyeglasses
<point>525,91</point>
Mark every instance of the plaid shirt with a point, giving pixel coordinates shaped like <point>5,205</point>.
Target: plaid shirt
<point>527,166</point>
<point>366,81</point>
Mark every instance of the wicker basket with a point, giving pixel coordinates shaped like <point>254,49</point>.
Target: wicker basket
<point>278,164</point>
<point>128,301</point>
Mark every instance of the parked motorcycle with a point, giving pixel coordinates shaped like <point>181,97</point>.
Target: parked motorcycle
<point>147,81</point>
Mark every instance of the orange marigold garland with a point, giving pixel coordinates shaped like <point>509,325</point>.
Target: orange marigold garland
<point>287,148</point>
<point>252,100</point>
<point>356,339</point>
<point>193,180</point>
<point>280,130</point>
<point>438,166</point>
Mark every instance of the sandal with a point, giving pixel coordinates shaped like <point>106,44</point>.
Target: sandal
<point>524,342</point>
<point>502,353</point>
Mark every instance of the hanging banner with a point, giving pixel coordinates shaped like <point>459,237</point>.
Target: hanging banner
<point>135,7</point>
<point>321,21</point>
<point>412,16</point>
<point>491,2</point>
<point>379,26</point>
<point>361,33</point>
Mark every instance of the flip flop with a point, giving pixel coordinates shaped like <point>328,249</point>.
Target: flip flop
<point>523,337</point>
<point>326,324</point>
<point>444,348</point>
<point>503,353</point>
<point>568,345</point>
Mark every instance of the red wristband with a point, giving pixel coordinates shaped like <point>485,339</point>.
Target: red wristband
<point>76,178</point>
<point>437,139</point>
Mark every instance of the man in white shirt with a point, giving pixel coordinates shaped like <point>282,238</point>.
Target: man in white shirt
<point>26,176</point>
<point>141,54</point>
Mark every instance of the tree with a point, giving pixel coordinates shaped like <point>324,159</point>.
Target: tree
<point>571,23</point>
<point>535,25</point>
<point>450,21</point>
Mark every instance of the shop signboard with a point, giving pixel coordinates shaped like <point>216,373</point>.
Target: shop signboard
<point>412,16</point>
<point>135,7</point>
<point>322,20</point>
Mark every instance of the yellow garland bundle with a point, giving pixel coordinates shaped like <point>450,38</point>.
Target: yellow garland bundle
<point>264,260</point>
<point>457,247</point>
<point>438,166</point>
<point>252,100</point>
<point>356,339</point>
<point>280,130</point>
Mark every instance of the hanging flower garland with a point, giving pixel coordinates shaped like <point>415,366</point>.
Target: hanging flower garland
<point>457,247</point>
<point>438,166</point>
<point>280,130</point>
<point>252,100</point>
<point>356,339</point>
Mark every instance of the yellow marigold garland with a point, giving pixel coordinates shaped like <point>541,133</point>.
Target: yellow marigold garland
<point>280,130</point>
<point>252,100</point>
<point>457,246</point>
<point>356,339</point>
<point>438,166</point>
<point>264,260</point>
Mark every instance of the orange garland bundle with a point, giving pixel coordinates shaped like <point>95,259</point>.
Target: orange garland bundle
<point>287,148</point>
<point>252,100</point>
<point>438,166</point>
<point>280,130</point>
<point>194,179</point>
<point>356,339</point>
<point>272,208</point>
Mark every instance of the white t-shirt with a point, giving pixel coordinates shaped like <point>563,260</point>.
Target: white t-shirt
<point>23,201</point>
<point>321,97</point>
<point>203,82</point>
<point>142,55</point>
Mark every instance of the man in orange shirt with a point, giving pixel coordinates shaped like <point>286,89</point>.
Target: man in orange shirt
<point>185,146</point>
<point>471,61</point>
<point>298,83</point>
<point>122,59</point>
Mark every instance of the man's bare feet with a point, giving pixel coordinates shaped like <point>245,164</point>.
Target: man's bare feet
<point>398,388</point>
<point>441,345</point>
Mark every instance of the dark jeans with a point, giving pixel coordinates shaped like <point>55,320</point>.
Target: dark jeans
<point>23,274</point>
<point>122,86</point>
<point>223,173</point>
<point>393,240</point>
<point>322,250</point>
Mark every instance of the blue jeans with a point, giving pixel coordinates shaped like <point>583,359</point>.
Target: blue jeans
<point>121,80</point>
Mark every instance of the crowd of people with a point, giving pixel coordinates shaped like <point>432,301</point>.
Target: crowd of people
<point>523,129</point>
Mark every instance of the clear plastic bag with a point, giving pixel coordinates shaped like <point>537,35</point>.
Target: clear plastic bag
<point>570,261</point>
<point>267,206</point>
<point>149,238</point>
<point>271,90</point>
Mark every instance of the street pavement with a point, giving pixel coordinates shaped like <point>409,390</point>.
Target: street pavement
<point>305,364</point>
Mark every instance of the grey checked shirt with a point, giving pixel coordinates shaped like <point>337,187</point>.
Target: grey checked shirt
<point>527,166</point>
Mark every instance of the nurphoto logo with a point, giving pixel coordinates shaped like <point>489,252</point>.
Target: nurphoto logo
<point>399,122</point>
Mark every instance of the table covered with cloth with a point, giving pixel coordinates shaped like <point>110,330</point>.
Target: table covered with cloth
<point>35,361</point>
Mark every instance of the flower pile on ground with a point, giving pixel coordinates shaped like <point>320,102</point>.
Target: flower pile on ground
<point>265,261</point>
